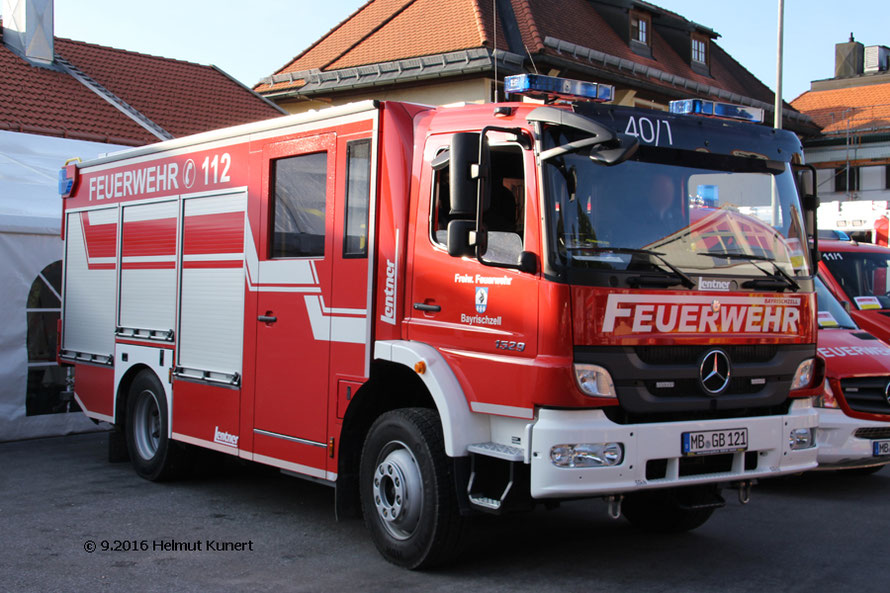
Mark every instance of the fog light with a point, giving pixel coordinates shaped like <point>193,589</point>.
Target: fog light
<point>587,455</point>
<point>801,438</point>
<point>594,380</point>
<point>804,374</point>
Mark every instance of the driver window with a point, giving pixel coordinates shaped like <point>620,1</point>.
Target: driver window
<point>505,217</point>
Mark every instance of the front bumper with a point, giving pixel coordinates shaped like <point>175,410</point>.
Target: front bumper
<point>839,448</point>
<point>653,452</point>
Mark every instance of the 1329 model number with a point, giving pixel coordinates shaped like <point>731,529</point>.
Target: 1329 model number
<point>509,345</point>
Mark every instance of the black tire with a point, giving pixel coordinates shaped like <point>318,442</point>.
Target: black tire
<point>671,511</point>
<point>154,456</point>
<point>407,491</point>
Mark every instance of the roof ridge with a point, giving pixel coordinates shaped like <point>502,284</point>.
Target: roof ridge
<point>321,39</point>
<point>121,105</point>
<point>480,25</point>
<point>369,33</point>
<point>133,53</point>
<point>532,26</point>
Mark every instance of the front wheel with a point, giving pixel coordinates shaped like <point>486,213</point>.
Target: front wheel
<point>154,456</point>
<point>672,511</point>
<point>407,492</point>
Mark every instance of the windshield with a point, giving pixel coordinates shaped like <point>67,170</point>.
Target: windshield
<point>831,312</point>
<point>863,276</point>
<point>701,213</point>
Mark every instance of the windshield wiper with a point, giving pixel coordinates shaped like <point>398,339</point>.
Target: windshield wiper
<point>778,279</point>
<point>683,278</point>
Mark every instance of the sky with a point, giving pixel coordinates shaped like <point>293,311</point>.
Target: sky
<point>251,39</point>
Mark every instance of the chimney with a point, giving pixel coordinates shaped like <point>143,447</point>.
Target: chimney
<point>28,29</point>
<point>848,58</point>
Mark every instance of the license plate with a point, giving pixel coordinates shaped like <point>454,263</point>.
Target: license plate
<point>712,442</point>
<point>881,448</point>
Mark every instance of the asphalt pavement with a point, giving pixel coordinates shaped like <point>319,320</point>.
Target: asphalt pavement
<point>71,521</point>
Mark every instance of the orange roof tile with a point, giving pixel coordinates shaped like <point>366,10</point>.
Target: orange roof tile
<point>859,109</point>
<point>180,97</point>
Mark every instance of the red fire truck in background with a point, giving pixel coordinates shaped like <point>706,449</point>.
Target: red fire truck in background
<point>854,414</point>
<point>456,309</point>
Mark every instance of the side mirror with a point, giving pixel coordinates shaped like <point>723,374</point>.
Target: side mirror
<point>460,238</point>
<point>616,151</point>
<point>528,262</point>
<point>806,184</point>
<point>463,174</point>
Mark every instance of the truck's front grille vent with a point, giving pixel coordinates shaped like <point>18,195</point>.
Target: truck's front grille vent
<point>662,379</point>
<point>672,355</point>
<point>876,432</point>
<point>867,394</point>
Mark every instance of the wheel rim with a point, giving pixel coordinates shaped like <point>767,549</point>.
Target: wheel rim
<point>147,425</point>
<point>398,490</point>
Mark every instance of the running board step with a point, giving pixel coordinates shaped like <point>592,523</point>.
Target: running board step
<point>486,503</point>
<point>505,452</point>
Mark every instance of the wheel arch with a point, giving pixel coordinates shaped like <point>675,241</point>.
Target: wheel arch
<point>394,383</point>
<point>123,392</point>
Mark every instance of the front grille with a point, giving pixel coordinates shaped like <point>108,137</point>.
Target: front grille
<point>684,387</point>
<point>866,394</point>
<point>663,380</point>
<point>664,355</point>
<point>873,433</point>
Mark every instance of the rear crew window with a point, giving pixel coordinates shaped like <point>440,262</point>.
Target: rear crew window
<point>358,197</point>
<point>299,202</point>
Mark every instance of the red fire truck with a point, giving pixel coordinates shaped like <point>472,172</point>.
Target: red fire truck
<point>451,310</point>
<point>853,410</point>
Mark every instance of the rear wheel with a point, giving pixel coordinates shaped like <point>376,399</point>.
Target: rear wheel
<point>155,457</point>
<point>672,511</point>
<point>407,491</point>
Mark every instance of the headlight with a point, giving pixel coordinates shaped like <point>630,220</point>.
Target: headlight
<point>826,399</point>
<point>804,374</point>
<point>594,380</point>
<point>587,455</point>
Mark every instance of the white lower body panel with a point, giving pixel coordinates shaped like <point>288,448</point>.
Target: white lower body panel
<point>661,443</point>
<point>839,447</point>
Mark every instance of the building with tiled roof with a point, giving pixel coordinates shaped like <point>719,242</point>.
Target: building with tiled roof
<point>442,51</point>
<point>852,153</point>
<point>103,94</point>
<point>58,99</point>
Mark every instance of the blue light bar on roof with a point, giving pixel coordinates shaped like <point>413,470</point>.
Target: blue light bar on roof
<point>66,184</point>
<point>554,87</point>
<point>717,109</point>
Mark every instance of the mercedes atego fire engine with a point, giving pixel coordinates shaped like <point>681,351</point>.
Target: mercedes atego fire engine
<point>446,310</point>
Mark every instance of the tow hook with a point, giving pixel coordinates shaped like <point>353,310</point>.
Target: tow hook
<point>745,491</point>
<point>615,505</point>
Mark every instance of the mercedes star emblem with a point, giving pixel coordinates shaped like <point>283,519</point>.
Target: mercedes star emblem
<point>887,393</point>
<point>714,372</point>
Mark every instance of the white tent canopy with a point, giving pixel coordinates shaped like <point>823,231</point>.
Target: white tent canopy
<point>30,214</point>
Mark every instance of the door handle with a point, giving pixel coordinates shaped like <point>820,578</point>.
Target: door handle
<point>427,307</point>
<point>267,318</point>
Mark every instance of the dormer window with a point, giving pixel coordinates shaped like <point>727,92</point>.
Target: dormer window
<point>699,56</point>
<point>640,33</point>
<point>699,50</point>
<point>640,28</point>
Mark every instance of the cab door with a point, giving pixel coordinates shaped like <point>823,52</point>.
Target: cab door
<point>482,318</point>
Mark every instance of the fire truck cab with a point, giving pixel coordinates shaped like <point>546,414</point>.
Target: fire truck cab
<point>451,310</point>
